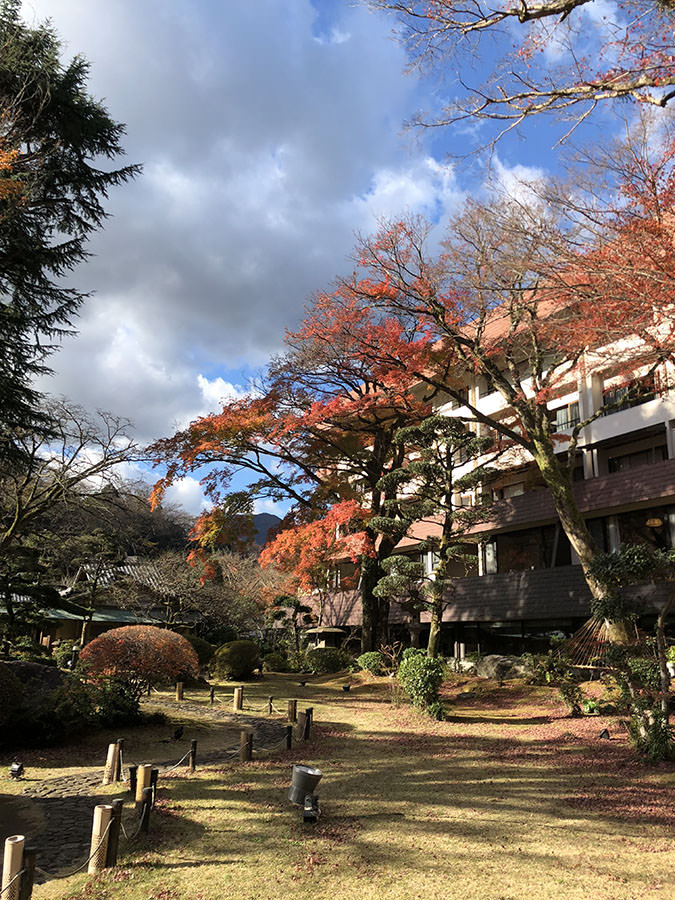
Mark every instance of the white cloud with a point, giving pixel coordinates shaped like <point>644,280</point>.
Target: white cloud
<point>270,506</point>
<point>423,186</point>
<point>187,492</point>
<point>216,392</point>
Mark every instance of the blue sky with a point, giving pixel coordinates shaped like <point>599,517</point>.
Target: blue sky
<point>270,132</point>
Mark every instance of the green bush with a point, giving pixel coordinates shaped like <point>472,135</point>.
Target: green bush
<point>235,660</point>
<point>202,648</point>
<point>372,662</point>
<point>116,704</point>
<point>63,653</point>
<point>11,696</point>
<point>421,678</point>
<point>276,661</point>
<point>26,650</point>
<point>326,660</point>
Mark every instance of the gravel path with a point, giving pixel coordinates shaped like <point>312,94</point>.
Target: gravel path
<point>66,803</point>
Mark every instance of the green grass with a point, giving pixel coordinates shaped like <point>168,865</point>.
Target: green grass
<point>508,800</point>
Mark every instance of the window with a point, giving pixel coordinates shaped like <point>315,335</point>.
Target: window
<point>485,386</point>
<point>633,460</point>
<point>509,490</point>
<point>639,390</point>
<point>564,417</point>
<point>463,394</point>
<point>646,526</point>
<point>490,558</point>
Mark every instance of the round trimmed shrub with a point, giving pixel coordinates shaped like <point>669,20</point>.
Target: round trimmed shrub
<point>372,662</point>
<point>276,662</point>
<point>235,660</point>
<point>140,655</point>
<point>202,648</point>
<point>326,660</point>
<point>421,678</point>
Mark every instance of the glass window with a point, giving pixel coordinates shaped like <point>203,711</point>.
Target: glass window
<point>645,526</point>
<point>640,390</point>
<point>565,417</point>
<point>633,460</point>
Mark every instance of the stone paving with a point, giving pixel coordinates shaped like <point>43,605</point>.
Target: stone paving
<point>66,803</point>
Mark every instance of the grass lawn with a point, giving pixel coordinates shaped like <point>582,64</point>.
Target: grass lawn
<point>508,800</point>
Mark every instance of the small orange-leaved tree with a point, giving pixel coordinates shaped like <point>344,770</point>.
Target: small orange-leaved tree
<point>311,552</point>
<point>139,656</point>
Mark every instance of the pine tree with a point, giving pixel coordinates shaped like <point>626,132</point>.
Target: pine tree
<point>52,133</point>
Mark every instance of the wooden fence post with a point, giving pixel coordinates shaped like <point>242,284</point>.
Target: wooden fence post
<point>309,721</point>
<point>179,690</point>
<point>133,777</point>
<point>99,838</point>
<point>142,782</point>
<point>292,710</point>
<point>192,761</point>
<point>146,806</point>
<point>12,865</point>
<point>28,877</point>
<point>246,747</point>
<point>302,726</point>
<point>114,833</point>
<point>111,764</point>
<point>212,695</point>
<point>238,700</point>
<point>120,748</point>
<point>270,705</point>
<point>289,737</point>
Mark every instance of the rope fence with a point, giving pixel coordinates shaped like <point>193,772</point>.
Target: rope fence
<point>19,866</point>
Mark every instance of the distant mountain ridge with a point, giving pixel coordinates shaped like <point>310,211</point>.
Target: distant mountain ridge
<point>262,522</point>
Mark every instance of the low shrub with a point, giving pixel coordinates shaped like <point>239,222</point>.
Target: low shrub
<point>235,660</point>
<point>11,695</point>
<point>63,653</point>
<point>116,704</point>
<point>25,649</point>
<point>421,678</point>
<point>276,661</point>
<point>372,662</point>
<point>202,648</point>
<point>326,660</point>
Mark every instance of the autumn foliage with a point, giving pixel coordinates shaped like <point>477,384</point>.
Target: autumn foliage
<point>140,655</point>
<point>310,551</point>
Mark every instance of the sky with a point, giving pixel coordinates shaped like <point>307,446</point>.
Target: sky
<point>270,132</point>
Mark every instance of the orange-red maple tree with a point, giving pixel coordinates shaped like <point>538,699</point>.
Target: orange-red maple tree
<point>319,430</point>
<point>311,552</point>
<point>525,300</point>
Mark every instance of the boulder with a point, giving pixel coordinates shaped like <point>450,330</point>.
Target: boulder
<point>499,667</point>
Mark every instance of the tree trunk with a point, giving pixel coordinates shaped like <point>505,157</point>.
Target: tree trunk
<point>370,627</point>
<point>436,608</point>
<point>554,473</point>
<point>661,651</point>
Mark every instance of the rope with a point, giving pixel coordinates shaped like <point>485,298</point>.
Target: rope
<point>256,708</point>
<point>138,830</point>
<point>181,760</point>
<point>10,883</point>
<point>85,863</point>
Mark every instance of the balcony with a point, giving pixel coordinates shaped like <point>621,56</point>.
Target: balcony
<point>606,494</point>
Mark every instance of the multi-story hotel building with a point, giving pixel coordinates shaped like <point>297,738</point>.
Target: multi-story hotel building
<point>526,581</point>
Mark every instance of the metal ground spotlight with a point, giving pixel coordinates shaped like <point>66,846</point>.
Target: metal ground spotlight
<point>16,770</point>
<point>303,783</point>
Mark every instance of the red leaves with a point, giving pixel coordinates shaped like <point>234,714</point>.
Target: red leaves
<point>310,551</point>
<point>140,654</point>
